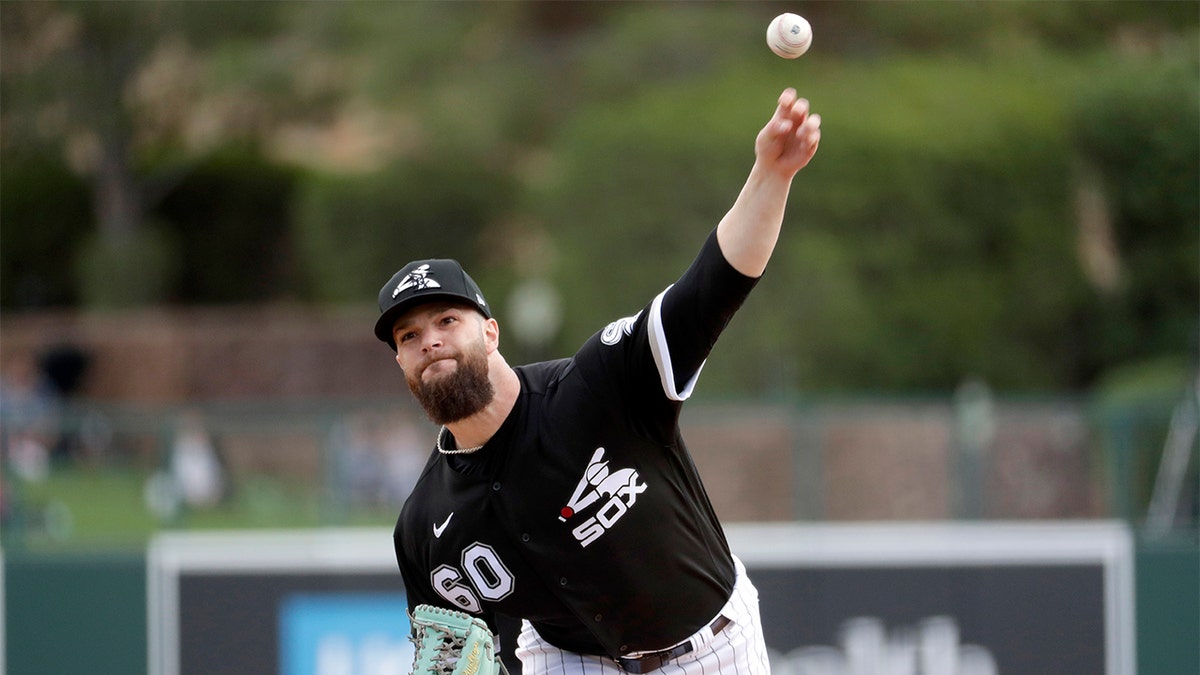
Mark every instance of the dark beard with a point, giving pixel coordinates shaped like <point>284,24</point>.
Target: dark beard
<point>459,394</point>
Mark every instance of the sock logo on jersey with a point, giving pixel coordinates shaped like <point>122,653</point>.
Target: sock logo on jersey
<point>621,487</point>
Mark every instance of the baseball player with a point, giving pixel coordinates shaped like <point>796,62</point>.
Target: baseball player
<point>561,493</point>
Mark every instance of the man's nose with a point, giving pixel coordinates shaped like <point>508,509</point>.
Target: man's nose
<point>431,340</point>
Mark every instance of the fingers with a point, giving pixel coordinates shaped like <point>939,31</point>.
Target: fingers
<point>794,114</point>
<point>797,113</point>
<point>791,106</point>
<point>811,126</point>
<point>790,139</point>
<point>787,98</point>
<point>809,134</point>
<point>789,117</point>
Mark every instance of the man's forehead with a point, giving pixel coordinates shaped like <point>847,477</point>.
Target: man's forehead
<point>430,308</point>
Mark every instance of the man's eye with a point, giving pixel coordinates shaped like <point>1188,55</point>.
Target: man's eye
<point>407,336</point>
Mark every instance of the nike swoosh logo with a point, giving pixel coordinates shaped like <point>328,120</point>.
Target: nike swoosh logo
<point>439,529</point>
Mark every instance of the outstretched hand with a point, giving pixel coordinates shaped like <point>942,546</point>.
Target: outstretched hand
<point>788,142</point>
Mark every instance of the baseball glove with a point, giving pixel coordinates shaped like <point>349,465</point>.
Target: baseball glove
<point>452,643</point>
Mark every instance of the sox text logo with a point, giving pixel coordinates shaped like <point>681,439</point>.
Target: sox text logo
<point>621,487</point>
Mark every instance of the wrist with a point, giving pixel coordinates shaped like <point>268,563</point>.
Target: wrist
<point>768,173</point>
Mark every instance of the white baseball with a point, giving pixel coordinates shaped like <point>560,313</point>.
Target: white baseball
<point>789,35</point>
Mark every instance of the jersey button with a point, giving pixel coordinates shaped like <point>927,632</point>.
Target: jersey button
<point>562,581</point>
<point>496,486</point>
<point>624,649</point>
<point>599,618</point>
<point>525,537</point>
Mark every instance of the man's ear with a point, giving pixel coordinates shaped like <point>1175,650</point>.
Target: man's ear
<point>491,334</point>
<point>398,362</point>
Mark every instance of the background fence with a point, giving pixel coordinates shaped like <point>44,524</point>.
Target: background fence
<point>108,476</point>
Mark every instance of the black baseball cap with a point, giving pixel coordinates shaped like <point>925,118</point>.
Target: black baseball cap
<point>422,281</point>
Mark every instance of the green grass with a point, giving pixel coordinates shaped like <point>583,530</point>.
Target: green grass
<point>73,506</point>
<point>105,508</point>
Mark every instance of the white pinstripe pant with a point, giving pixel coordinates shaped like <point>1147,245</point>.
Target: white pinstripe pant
<point>737,650</point>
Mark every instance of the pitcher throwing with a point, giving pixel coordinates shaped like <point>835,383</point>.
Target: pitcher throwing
<point>561,493</point>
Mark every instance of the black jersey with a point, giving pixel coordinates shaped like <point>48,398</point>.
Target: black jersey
<point>584,513</point>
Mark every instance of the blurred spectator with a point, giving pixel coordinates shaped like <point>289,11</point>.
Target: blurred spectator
<point>378,456</point>
<point>195,466</point>
<point>63,370</point>
<point>404,456</point>
<point>28,417</point>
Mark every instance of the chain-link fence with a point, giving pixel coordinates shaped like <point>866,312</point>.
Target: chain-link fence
<point>105,476</point>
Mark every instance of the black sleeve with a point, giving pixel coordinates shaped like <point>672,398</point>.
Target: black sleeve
<point>649,362</point>
<point>698,307</point>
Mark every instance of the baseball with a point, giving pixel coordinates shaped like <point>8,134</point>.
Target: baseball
<point>789,35</point>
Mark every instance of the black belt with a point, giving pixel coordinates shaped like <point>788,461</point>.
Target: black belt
<point>649,662</point>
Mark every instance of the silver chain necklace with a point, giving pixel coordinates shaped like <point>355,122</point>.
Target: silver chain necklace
<point>455,451</point>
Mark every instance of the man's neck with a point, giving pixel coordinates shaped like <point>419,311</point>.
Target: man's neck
<point>480,427</point>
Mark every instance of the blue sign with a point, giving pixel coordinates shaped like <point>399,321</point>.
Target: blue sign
<point>344,634</point>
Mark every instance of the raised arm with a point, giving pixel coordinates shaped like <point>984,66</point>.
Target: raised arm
<point>748,232</point>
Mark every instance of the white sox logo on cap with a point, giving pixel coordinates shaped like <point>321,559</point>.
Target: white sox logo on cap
<point>418,279</point>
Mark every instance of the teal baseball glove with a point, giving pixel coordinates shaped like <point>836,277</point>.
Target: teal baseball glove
<point>453,643</point>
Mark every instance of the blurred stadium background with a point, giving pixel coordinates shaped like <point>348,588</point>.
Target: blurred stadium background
<point>984,307</point>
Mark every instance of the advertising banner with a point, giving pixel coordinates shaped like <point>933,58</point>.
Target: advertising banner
<point>845,599</point>
<point>944,599</point>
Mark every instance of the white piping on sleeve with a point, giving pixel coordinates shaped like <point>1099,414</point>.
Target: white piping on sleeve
<point>662,354</point>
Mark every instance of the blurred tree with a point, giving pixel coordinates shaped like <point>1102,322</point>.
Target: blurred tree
<point>1137,130</point>
<point>934,238</point>
<point>231,215</point>
<point>65,78</point>
<point>919,248</point>
<point>45,210</point>
<point>112,88</point>
<point>352,235</point>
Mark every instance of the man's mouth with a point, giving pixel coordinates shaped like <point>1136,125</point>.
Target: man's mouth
<point>438,366</point>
